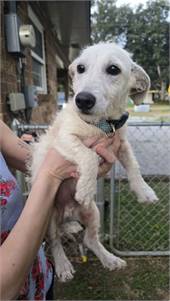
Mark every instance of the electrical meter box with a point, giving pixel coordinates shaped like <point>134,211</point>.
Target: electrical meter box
<point>16,101</point>
<point>18,36</point>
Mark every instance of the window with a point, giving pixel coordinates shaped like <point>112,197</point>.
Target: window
<point>38,54</point>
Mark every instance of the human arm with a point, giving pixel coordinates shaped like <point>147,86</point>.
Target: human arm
<point>21,246</point>
<point>14,149</point>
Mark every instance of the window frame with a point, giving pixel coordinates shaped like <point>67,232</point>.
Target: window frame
<point>35,56</point>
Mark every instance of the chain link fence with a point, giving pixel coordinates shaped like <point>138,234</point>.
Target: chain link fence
<point>130,228</point>
<point>141,229</point>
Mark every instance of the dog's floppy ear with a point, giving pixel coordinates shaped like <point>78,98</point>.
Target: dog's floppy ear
<point>139,84</point>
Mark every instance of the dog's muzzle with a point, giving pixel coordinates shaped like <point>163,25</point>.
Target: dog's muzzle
<point>85,102</point>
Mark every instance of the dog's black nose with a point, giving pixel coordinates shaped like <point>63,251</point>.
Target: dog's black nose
<point>85,101</point>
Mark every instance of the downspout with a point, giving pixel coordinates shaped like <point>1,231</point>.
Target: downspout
<point>89,25</point>
<point>12,6</point>
<point>12,9</point>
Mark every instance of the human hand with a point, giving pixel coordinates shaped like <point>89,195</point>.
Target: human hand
<point>107,148</point>
<point>108,151</point>
<point>56,167</point>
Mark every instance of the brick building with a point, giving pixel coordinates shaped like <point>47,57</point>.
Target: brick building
<point>61,28</point>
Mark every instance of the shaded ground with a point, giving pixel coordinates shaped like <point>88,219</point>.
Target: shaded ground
<point>151,145</point>
<point>143,279</point>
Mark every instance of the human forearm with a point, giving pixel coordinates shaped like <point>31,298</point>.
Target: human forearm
<point>15,151</point>
<point>18,155</point>
<point>22,244</point>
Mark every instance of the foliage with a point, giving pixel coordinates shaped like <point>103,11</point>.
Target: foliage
<point>142,31</point>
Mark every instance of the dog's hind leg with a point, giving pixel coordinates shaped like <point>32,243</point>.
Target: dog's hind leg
<point>91,219</point>
<point>63,267</point>
<point>142,190</point>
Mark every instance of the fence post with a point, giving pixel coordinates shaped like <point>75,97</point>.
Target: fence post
<point>100,204</point>
<point>112,203</point>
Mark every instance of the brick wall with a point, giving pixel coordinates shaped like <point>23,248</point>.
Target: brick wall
<point>10,80</point>
<point>8,70</point>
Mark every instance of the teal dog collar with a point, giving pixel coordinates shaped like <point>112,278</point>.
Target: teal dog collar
<point>110,126</point>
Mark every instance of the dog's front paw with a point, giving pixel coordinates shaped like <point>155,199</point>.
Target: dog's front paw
<point>64,270</point>
<point>145,194</point>
<point>113,262</point>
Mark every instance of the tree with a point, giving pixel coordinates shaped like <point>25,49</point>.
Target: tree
<point>143,32</point>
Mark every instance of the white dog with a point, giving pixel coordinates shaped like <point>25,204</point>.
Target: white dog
<point>104,76</point>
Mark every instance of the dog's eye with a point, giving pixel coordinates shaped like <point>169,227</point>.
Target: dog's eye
<point>113,70</point>
<point>80,68</point>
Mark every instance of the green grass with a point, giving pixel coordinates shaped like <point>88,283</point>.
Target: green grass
<point>149,230</point>
<point>145,278</point>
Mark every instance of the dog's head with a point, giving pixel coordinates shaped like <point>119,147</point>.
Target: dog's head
<point>104,76</point>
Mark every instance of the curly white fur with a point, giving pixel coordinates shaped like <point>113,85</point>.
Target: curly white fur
<point>71,126</point>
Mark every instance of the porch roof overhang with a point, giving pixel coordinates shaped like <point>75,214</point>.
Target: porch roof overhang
<point>70,21</point>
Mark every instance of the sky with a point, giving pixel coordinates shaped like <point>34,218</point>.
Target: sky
<point>132,3</point>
